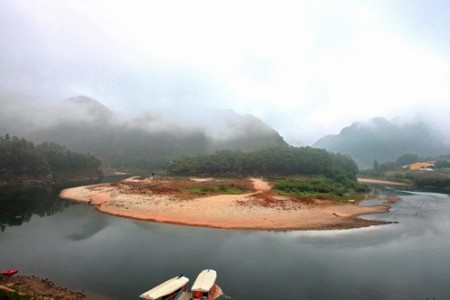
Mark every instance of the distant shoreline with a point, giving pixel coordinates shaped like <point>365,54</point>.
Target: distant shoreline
<point>243,211</point>
<point>380,181</point>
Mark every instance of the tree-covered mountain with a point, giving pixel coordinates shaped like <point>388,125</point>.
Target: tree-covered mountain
<point>383,140</point>
<point>22,160</point>
<point>144,142</point>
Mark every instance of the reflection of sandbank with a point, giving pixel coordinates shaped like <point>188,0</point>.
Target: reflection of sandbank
<point>244,211</point>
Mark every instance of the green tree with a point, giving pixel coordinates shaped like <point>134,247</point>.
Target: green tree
<point>22,160</point>
<point>268,161</point>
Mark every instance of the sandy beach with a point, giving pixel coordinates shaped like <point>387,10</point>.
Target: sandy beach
<point>251,210</point>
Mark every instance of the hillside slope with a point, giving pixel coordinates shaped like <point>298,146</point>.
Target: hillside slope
<point>147,141</point>
<point>384,140</point>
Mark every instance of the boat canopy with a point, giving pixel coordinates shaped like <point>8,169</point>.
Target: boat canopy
<point>165,288</point>
<point>205,281</point>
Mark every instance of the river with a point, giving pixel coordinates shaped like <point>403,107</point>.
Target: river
<point>80,248</point>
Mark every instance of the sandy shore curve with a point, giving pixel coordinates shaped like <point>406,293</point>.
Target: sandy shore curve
<point>242,211</point>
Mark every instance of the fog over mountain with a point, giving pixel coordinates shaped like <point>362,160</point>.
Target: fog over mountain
<point>306,68</point>
<point>383,140</point>
<point>148,140</point>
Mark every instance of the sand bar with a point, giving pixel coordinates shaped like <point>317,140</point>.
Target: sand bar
<point>243,211</point>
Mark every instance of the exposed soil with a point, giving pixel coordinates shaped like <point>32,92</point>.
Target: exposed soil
<point>38,288</point>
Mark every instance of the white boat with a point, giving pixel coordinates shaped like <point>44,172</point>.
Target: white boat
<point>204,285</point>
<point>169,290</point>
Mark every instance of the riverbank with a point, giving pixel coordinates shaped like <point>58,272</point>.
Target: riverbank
<point>32,287</point>
<point>380,181</point>
<point>258,209</point>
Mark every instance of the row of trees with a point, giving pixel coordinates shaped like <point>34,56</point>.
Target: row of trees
<point>275,161</point>
<point>22,159</point>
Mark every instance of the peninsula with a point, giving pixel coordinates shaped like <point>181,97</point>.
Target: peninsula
<point>257,208</point>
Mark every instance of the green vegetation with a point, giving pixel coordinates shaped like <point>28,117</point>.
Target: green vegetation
<point>275,161</point>
<point>311,172</point>
<point>319,187</point>
<point>65,164</point>
<point>21,160</point>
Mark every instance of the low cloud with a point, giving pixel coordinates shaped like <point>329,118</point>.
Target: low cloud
<point>307,68</point>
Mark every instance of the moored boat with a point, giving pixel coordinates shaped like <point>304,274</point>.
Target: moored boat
<point>168,290</point>
<point>10,272</point>
<point>204,286</point>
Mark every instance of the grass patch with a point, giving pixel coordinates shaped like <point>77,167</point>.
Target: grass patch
<point>319,187</point>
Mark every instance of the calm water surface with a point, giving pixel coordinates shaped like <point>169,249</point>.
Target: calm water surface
<point>77,247</point>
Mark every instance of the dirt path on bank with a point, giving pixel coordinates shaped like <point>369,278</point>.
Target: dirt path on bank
<point>261,185</point>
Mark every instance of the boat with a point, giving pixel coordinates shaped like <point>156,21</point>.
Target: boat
<point>171,289</point>
<point>205,285</point>
<point>10,272</point>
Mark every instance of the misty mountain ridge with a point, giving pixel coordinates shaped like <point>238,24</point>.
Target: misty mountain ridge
<point>383,140</point>
<point>149,140</point>
<point>91,108</point>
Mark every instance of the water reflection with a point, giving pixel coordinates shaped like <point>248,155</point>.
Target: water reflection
<point>89,229</point>
<point>408,260</point>
<point>18,204</point>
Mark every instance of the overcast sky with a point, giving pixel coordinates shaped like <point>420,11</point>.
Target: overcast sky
<point>307,68</point>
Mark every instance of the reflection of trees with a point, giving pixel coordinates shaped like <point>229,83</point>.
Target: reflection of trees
<point>89,228</point>
<point>19,203</point>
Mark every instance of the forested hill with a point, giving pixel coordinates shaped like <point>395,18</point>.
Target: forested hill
<point>142,142</point>
<point>22,160</point>
<point>268,162</point>
<point>383,140</point>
